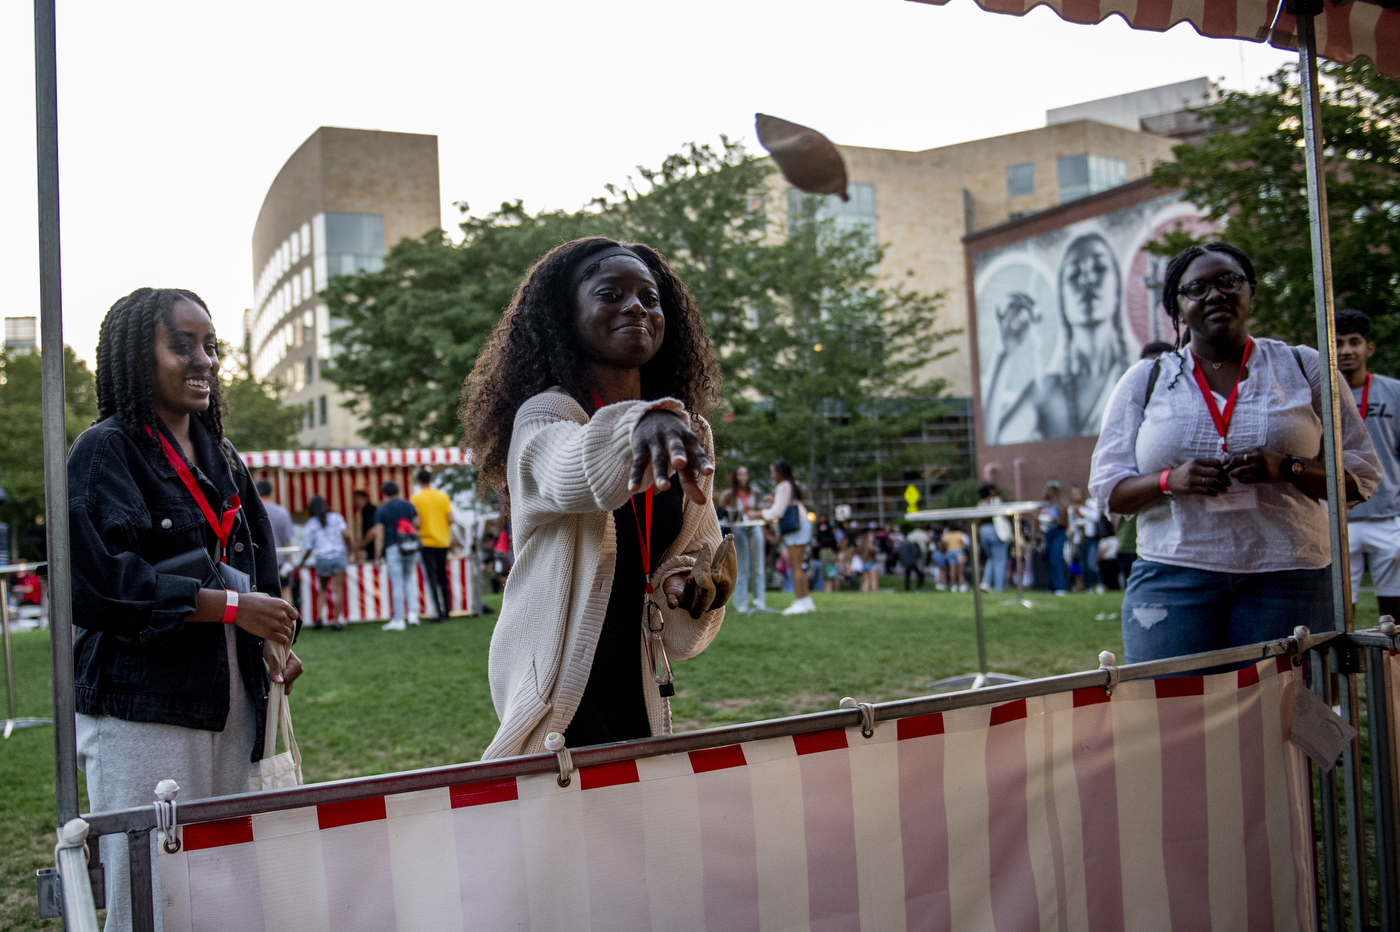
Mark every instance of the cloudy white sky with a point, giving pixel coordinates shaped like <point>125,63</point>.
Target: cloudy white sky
<point>175,117</point>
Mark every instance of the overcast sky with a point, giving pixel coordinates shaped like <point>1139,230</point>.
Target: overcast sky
<point>175,117</point>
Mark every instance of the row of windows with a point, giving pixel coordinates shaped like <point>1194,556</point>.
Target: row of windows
<point>292,250</point>
<point>856,213</point>
<point>310,325</point>
<point>1078,176</point>
<point>315,413</point>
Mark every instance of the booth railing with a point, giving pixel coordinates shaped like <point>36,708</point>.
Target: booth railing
<point>1342,885</point>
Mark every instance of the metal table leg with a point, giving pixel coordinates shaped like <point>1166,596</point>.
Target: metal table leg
<point>13,723</point>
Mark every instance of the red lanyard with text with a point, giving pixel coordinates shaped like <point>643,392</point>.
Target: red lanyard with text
<point>1366,397</point>
<point>1222,420</point>
<point>656,651</point>
<point>222,528</point>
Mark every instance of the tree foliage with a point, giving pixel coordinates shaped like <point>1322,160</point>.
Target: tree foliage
<point>407,335</point>
<point>22,440</point>
<point>1250,177</point>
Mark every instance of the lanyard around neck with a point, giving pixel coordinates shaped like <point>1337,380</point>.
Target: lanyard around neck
<point>1222,420</point>
<point>642,538</point>
<point>222,528</point>
<point>1366,397</point>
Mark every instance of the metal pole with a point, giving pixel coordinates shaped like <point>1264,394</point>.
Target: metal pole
<point>9,659</point>
<point>55,426</point>
<point>1382,789</point>
<point>1327,785</point>
<point>975,545</point>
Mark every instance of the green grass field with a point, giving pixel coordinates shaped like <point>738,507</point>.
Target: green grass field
<point>373,702</point>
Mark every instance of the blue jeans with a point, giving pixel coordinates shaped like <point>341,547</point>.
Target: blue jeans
<point>403,581</point>
<point>996,557</point>
<point>1088,556</point>
<point>1055,557</point>
<point>1169,611</point>
<point>748,548</point>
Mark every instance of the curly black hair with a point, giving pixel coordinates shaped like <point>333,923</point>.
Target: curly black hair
<point>536,347</point>
<point>126,363</point>
<point>1172,283</point>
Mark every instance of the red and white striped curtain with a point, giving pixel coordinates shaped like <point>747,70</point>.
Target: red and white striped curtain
<point>336,474</point>
<point>367,591</point>
<point>1175,804</point>
<point>1344,30</point>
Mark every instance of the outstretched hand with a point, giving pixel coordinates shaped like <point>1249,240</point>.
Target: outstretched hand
<point>664,444</point>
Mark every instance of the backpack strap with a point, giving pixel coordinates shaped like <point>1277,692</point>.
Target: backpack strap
<point>1152,380</point>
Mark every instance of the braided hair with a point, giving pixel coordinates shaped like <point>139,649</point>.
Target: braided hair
<point>126,363</point>
<point>1177,268</point>
<point>536,347</point>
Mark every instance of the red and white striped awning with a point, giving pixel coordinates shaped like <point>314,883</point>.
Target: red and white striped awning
<point>353,459</point>
<point>1344,31</point>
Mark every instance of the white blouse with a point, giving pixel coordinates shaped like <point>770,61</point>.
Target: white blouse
<point>1277,408</point>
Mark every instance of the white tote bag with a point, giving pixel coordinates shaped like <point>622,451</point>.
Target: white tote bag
<point>277,771</point>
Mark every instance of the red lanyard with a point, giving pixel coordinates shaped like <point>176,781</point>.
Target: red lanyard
<point>1222,421</point>
<point>223,528</point>
<point>642,538</point>
<point>1366,397</point>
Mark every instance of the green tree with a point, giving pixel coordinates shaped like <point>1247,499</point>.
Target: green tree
<point>22,440</point>
<point>256,419</point>
<point>1250,177</point>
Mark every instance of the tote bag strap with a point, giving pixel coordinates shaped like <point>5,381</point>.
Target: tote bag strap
<point>276,701</point>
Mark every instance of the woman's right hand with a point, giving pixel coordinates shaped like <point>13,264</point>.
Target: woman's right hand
<point>267,617</point>
<point>663,442</point>
<point>1199,477</point>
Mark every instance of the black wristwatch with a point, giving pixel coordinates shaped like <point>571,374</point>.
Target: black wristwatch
<point>1292,468</point>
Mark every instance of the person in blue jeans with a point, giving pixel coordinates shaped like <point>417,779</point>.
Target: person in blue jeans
<point>400,554</point>
<point>1214,447</point>
<point>994,573</point>
<point>1053,520</point>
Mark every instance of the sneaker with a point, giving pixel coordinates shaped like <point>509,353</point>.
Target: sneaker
<point>939,587</point>
<point>395,625</point>
<point>1061,592</point>
<point>412,619</point>
<point>800,607</point>
<point>1100,589</point>
<point>985,588</point>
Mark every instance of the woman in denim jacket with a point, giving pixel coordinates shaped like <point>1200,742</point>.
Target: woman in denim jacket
<point>164,690</point>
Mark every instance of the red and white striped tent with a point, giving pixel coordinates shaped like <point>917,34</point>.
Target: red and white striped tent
<point>1344,30</point>
<point>297,475</point>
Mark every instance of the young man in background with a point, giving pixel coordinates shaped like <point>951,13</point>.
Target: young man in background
<point>435,531</point>
<point>1373,526</point>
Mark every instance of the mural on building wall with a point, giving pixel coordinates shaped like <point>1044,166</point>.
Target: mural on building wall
<point>1060,317</point>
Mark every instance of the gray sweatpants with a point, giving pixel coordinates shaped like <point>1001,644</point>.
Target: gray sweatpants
<point>125,760</point>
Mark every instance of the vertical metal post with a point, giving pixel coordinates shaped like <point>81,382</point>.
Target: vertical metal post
<point>55,423</point>
<point>975,545</point>
<point>9,659</point>
<point>1382,789</point>
<point>143,910</point>
<point>1320,675</point>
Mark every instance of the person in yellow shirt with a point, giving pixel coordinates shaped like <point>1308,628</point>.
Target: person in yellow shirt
<point>435,532</point>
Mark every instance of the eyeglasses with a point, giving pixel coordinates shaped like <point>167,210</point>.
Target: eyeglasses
<point>1228,283</point>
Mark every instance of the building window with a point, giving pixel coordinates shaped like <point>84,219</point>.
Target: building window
<point>354,243</point>
<point>321,403</point>
<point>1020,180</point>
<point>296,290</point>
<point>310,415</point>
<point>310,364</point>
<point>1082,175</point>
<point>857,213</point>
<point>306,290</point>
<point>323,332</point>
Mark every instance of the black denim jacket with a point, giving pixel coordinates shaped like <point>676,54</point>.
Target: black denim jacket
<point>135,658</point>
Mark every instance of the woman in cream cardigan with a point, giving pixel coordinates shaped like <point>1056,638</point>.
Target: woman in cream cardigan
<point>584,413</point>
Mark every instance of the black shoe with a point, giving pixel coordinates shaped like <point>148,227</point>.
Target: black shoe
<point>339,627</point>
<point>439,620</point>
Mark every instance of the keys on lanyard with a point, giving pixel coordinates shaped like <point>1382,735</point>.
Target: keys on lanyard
<point>1222,419</point>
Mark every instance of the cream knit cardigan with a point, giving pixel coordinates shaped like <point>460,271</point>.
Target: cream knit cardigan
<point>567,473</point>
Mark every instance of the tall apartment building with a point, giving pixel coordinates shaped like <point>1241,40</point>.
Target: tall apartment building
<point>342,198</point>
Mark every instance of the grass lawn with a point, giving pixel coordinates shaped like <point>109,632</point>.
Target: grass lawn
<point>373,702</point>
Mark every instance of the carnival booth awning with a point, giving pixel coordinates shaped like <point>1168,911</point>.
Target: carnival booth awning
<point>1344,31</point>
<point>297,475</point>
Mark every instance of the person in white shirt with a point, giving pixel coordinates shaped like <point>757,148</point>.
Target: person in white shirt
<point>326,539</point>
<point>788,495</point>
<point>1216,447</point>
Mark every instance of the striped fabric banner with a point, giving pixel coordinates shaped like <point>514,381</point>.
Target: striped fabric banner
<point>367,593</point>
<point>1175,805</point>
<point>341,459</point>
<point>1344,31</point>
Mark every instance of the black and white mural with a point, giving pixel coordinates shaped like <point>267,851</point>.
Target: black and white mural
<point>1061,316</point>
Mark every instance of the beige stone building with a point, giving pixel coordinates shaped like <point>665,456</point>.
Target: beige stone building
<point>342,198</point>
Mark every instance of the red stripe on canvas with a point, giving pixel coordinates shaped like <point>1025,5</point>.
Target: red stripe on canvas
<point>614,774</point>
<point>1257,860</point>
<point>717,759</point>
<point>1009,712</point>
<point>1220,20</point>
<point>351,812</point>
<point>815,742</point>
<point>1095,776</point>
<point>919,726</point>
<point>1185,834</point>
<point>829,826</point>
<point>728,849</point>
<point>1015,904</point>
<point>483,793</point>
<point>1155,15</point>
<point>1179,686</point>
<point>1090,695</point>
<point>217,834</point>
<point>923,822</point>
<point>1080,11</point>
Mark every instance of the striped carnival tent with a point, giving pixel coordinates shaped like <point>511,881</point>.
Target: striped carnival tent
<point>297,475</point>
<point>1344,30</point>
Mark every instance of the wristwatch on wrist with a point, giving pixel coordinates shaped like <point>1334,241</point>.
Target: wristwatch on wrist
<point>1292,468</point>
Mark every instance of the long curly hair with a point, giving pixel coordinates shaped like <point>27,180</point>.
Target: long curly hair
<point>126,362</point>
<point>536,347</point>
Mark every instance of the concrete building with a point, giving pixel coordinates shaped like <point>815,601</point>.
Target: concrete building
<point>342,198</point>
<point>21,335</point>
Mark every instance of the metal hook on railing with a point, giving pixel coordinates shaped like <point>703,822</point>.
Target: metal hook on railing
<point>166,824</point>
<point>72,834</point>
<point>555,742</point>
<point>1107,663</point>
<point>867,715</point>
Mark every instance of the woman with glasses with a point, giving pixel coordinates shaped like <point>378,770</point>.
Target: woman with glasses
<point>1217,448</point>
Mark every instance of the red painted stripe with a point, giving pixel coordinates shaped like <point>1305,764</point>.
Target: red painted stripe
<point>923,822</point>
<point>1338,19</point>
<point>332,815</point>
<point>920,726</point>
<point>1090,695</point>
<point>1284,663</point>
<point>1080,11</point>
<point>1258,878</point>
<point>1180,686</point>
<point>1388,43</point>
<point>1155,15</point>
<point>483,793</point>
<point>1010,712</point>
<point>217,834</point>
<point>717,759</point>
<point>815,742</point>
<point>1249,676</point>
<point>1220,19</point>
<point>601,775</point>
<point>1096,778</point>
